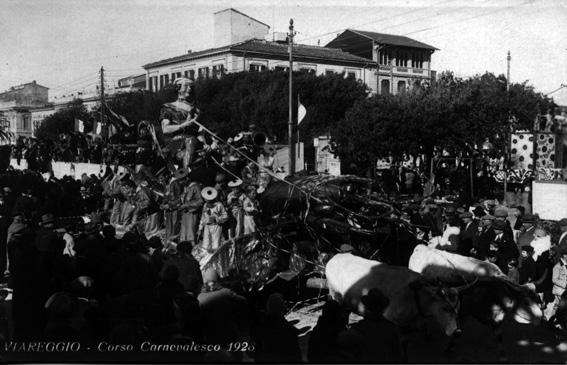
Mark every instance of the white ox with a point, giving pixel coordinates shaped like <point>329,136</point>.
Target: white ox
<point>411,298</point>
<point>450,267</point>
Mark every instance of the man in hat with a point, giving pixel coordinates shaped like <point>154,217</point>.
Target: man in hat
<point>213,216</point>
<point>469,234</point>
<point>234,205</point>
<point>485,237</point>
<point>526,235</point>
<point>191,204</point>
<point>172,202</point>
<point>501,215</point>
<point>505,246</point>
<point>374,339</point>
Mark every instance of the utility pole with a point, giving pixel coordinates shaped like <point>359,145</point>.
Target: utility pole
<point>508,132</point>
<point>105,135</point>
<point>290,120</point>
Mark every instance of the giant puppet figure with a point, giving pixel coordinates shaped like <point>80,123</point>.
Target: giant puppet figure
<point>177,124</point>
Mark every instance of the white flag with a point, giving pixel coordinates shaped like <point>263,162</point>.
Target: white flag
<point>301,112</point>
<point>79,126</point>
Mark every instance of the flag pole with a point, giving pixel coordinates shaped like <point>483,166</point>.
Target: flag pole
<point>298,143</point>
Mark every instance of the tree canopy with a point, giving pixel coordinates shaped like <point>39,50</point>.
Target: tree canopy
<point>452,114</point>
<point>63,121</point>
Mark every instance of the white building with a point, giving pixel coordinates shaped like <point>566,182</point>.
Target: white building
<point>252,52</point>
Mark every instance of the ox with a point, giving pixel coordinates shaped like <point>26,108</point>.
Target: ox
<point>489,299</point>
<point>450,267</point>
<point>412,298</point>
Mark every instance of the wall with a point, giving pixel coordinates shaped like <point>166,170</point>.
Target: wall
<point>61,169</point>
<point>549,199</point>
<point>232,27</point>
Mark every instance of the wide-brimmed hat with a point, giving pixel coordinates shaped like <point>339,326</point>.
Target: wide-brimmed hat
<point>181,174</point>
<point>47,218</point>
<point>209,193</point>
<point>234,183</point>
<point>487,217</point>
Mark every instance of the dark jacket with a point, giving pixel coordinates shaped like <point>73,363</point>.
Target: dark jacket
<point>468,235</point>
<point>276,341</point>
<point>372,340</point>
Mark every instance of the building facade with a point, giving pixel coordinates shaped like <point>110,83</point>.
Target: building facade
<point>16,105</point>
<point>254,53</point>
<point>400,61</point>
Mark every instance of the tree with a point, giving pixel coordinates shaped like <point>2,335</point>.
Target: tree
<point>63,121</point>
<point>452,114</point>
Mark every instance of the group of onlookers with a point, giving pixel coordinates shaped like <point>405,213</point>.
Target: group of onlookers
<point>527,249</point>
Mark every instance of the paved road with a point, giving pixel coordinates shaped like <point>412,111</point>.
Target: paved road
<point>477,344</point>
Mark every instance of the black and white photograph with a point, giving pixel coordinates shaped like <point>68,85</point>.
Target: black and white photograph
<point>283,181</point>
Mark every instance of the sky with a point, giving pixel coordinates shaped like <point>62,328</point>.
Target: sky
<point>62,44</point>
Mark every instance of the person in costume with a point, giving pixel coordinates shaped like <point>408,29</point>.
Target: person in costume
<point>213,217</point>
<point>177,125</point>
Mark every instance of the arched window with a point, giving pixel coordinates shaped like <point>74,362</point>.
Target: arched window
<point>401,86</point>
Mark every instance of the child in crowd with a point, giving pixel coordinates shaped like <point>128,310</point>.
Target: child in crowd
<point>214,215</point>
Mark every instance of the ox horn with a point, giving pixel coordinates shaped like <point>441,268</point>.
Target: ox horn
<point>462,288</point>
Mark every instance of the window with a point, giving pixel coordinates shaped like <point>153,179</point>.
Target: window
<point>190,74</point>
<point>172,77</point>
<point>257,67</point>
<point>154,85</point>
<point>385,87</point>
<point>402,59</point>
<point>401,86</point>
<point>281,68</point>
<point>179,75</point>
<point>329,72</point>
<point>218,71</point>
<point>204,72</point>
<point>417,60</point>
<point>351,74</point>
<point>385,57</point>
<point>165,80</point>
<point>307,70</point>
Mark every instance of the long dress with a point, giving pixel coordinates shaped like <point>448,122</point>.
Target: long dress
<point>212,230</point>
<point>192,202</point>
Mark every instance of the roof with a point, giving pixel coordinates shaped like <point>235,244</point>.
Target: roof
<point>391,39</point>
<point>241,13</point>
<point>268,48</point>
